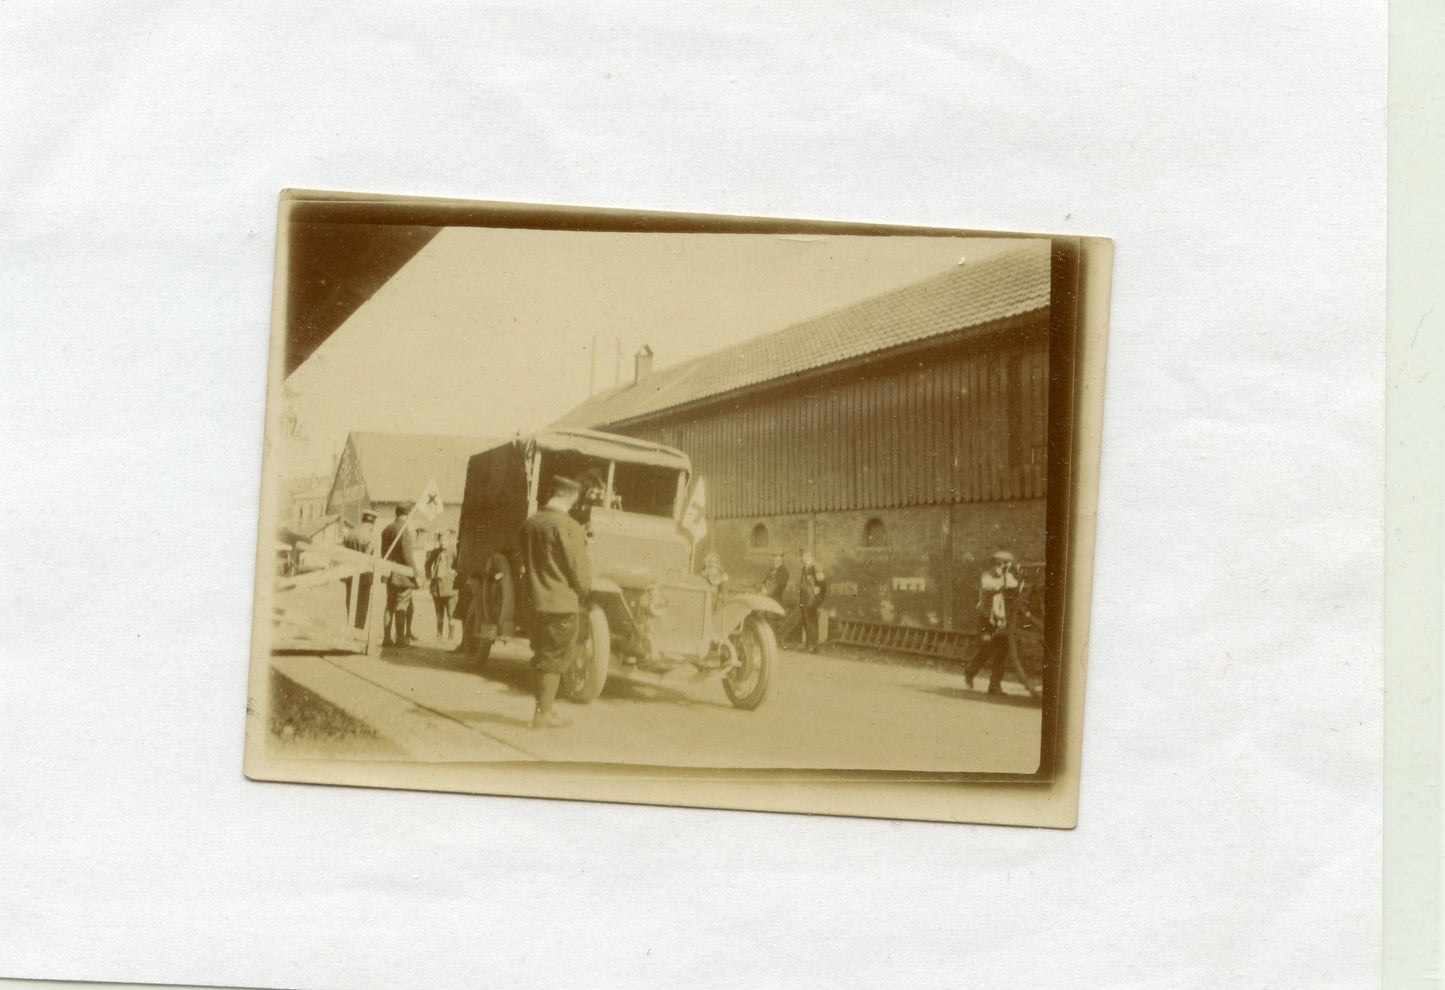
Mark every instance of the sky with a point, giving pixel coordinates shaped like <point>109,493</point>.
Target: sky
<point>487,331</point>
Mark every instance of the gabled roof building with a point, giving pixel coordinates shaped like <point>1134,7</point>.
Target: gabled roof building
<point>902,439</point>
<point>378,471</point>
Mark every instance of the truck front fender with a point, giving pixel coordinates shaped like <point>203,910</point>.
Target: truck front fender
<point>603,586</point>
<point>608,594</point>
<point>729,616</point>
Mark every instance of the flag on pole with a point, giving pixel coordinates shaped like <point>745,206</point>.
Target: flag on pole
<point>694,517</point>
<point>430,504</point>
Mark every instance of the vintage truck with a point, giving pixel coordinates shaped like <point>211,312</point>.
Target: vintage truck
<point>647,610</point>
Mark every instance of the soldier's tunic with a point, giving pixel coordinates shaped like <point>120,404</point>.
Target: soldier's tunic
<point>997,596</point>
<point>399,551</point>
<point>559,577</point>
<point>775,582</point>
<point>812,590</point>
<point>396,544</point>
<point>441,578</point>
<point>361,542</point>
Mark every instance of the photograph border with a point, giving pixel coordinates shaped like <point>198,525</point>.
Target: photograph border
<point>1081,268</point>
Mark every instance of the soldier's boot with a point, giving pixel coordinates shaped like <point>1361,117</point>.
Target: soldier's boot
<point>544,717</point>
<point>995,677</point>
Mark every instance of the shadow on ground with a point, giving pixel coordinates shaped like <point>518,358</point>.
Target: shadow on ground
<point>622,688</point>
<point>971,694</point>
<point>431,657</point>
<point>491,718</point>
<point>516,675</point>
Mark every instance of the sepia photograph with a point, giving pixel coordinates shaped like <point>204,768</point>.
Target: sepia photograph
<point>660,495</point>
<point>582,489</point>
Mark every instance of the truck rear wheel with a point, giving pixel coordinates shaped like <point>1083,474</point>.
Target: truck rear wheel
<point>499,594</point>
<point>479,647</point>
<point>586,675</point>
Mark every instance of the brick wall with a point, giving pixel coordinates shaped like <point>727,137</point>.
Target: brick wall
<point>979,530</point>
<point>908,578</point>
<point>901,579</point>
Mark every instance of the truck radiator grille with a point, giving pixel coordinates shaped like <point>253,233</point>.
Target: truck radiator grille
<point>682,622</point>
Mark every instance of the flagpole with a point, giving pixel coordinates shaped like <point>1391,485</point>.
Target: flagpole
<point>696,503</point>
<point>397,538</point>
<point>405,525</point>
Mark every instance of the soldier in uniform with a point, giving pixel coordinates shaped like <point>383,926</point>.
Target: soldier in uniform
<point>593,491</point>
<point>713,572</point>
<point>396,544</point>
<point>441,576</point>
<point>997,603</point>
<point>362,540</point>
<point>559,577</point>
<point>812,590</point>
<point>775,582</point>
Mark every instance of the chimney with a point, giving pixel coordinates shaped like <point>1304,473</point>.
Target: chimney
<point>643,366</point>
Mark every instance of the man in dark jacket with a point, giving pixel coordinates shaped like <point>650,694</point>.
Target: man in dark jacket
<point>812,591</point>
<point>396,545</point>
<point>362,540</point>
<point>997,604</point>
<point>775,582</point>
<point>440,577</point>
<point>559,577</point>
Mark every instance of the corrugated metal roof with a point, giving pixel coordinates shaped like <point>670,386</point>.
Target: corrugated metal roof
<point>397,466</point>
<point>1000,286</point>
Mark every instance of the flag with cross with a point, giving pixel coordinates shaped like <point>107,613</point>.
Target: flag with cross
<point>429,506</point>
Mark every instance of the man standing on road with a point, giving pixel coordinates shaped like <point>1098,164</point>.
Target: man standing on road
<point>362,540</point>
<point>997,598</point>
<point>775,582</point>
<point>440,577</point>
<point>396,544</point>
<point>713,573</point>
<point>559,577</point>
<point>812,590</point>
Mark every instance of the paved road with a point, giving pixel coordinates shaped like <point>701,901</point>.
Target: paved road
<point>825,712</point>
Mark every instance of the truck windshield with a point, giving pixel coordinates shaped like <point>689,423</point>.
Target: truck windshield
<point>641,488</point>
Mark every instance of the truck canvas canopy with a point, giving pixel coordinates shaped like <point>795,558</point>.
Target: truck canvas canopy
<point>608,446</point>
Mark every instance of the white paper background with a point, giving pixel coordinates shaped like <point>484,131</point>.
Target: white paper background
<point>1230,824</point>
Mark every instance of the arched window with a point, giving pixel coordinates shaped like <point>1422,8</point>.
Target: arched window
<point>759,540</point>
<point>875,534</point>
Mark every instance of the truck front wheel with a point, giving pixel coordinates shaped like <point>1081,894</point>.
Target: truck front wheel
<point>747,685</point>
<point>585,676</point>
